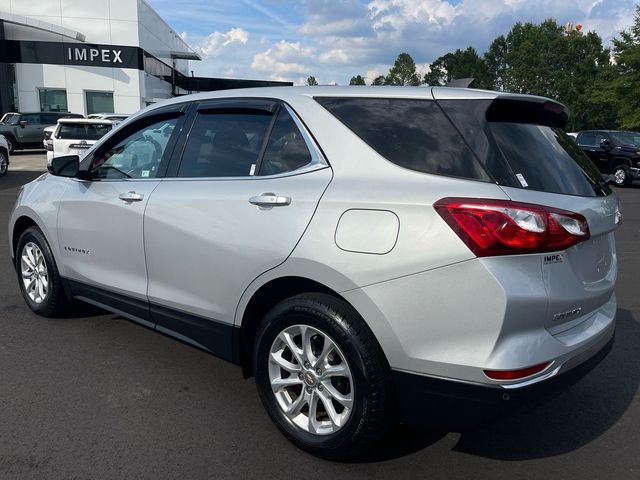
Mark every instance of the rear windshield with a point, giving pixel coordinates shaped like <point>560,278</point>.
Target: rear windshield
<point>413,134</point>
<point>519,150</point>
<point>70,131</point>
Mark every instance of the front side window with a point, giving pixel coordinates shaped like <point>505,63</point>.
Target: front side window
<point>138,155</point>
<point>587,139</point>
<point>224,143</point>
<point>286,149</point>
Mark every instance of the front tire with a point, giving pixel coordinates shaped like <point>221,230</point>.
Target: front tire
<point>4,163</point>
<point>322,376</point>
<point>40,282</point>
<point>11,144</point>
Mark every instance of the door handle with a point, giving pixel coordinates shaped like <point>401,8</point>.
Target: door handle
<point>131,197</point>
<point>270,200</point>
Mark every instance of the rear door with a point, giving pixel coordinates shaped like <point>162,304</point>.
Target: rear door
<point>241,196</point>
<point>524,149</point>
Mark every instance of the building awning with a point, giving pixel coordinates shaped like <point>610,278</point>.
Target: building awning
<point>185,56</point>
<point>40,25</point>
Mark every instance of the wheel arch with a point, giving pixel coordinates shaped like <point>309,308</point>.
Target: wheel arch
<point>265,297</point>
<point>615,161</point>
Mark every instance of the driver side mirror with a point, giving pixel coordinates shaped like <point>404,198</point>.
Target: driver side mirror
<point>605,143</point>
<point>23,123</point>
<point>65,166</point>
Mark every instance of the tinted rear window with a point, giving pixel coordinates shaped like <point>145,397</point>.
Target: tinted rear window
<point>524,154</point>
<point>69,131</point>
<point>413,134</point>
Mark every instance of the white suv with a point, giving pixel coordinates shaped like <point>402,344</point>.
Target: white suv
<point>362,251</point>
<point>75,136</point>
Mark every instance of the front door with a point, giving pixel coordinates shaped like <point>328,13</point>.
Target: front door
<point>246,188</point>
<point>101,219</point>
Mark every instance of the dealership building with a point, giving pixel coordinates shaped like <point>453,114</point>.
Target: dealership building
<point>93,56</point>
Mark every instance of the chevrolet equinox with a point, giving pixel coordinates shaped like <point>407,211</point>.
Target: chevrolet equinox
<point>370,255</point>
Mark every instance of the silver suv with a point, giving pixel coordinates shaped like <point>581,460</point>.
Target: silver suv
<point>368,254</point>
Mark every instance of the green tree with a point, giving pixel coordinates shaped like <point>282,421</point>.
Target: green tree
<point>460,64</point>
<point>357,80</point>
<point>403,72</point>
<point>380,80</point>
<point>620,89</point>
<point>311,81</point>
<point>545,60</point>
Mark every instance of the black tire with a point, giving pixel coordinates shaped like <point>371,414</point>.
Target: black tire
<point>371,415</point>
<point>621,176</point>
<point>11,143</point>
<point>55,301</point>
<point>4,162</point>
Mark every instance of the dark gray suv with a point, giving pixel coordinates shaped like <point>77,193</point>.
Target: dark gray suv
<point>25,130</point>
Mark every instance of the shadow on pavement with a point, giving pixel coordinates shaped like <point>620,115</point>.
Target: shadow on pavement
<point>572,419</point>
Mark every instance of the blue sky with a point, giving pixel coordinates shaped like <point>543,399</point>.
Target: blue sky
<point>336,39</point>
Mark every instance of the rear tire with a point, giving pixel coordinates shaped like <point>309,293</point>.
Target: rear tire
<point>336,386</point>
<point>621,176</point>
<point>40,282</point>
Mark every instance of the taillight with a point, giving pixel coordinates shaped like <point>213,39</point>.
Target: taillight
<point>503,227</point>
<point>516,374</point>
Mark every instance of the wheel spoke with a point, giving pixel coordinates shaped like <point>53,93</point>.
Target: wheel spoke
<point>336,371</point>
<point>327,348</point>
<point>307,348</point>
<point>344,400</point>
<point>294,409</point>
<point>297,353</point>
<point>286,364</point>
<point>330,409</point>
<point>280,383</point>
<point>313,423</point>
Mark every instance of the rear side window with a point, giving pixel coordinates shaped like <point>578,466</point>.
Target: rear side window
<point>587,139</point>
<point>413,134</point>
<point>286,149</point>
<point>69,131</point>
<point>224,144</point>
<point>521,144</point>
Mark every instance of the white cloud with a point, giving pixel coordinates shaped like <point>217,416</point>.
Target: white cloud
<point>284,58</point>
<point>215,43</point>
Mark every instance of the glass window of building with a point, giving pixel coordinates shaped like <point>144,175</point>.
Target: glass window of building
<point>53,100</point>
<point>99,102</point>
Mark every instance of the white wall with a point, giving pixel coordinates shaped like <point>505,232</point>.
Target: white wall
<point>111,22</point>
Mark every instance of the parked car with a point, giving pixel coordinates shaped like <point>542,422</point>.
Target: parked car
<point>114,117</point>
<point>75,136</point>
<point>4,156</point>
<point>436,252</point>
<point>25,130</point>
<point>614,152</point>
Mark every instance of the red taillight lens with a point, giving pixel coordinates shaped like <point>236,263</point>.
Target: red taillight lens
<point>503,227</point>
<point>516,374</point>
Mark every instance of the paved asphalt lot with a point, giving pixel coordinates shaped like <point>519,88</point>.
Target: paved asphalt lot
<point>98,397</point>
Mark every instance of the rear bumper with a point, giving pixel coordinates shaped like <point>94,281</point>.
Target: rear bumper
<point>457,405</point>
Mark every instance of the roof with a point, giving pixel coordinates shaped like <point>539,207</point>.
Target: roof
<point>89,121</point>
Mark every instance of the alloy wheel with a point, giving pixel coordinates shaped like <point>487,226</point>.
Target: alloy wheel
<point>311,380</point>
<point>620,176</point>
<point>35,275</point>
